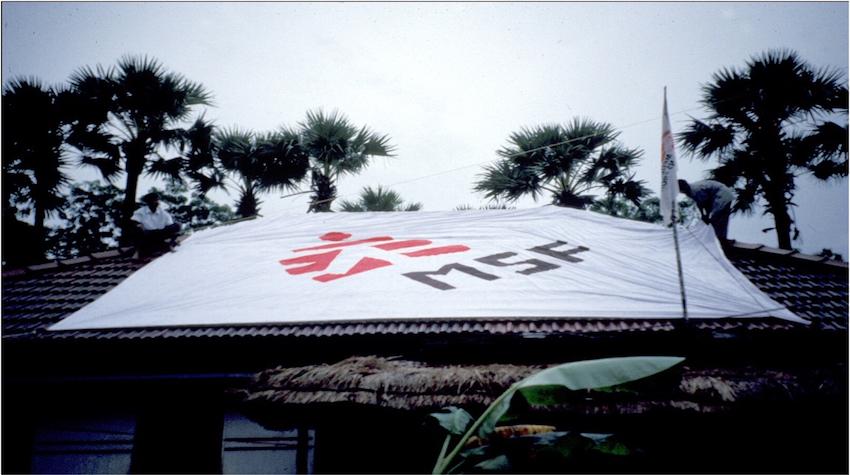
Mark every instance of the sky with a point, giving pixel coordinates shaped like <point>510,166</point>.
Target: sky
<point>449,82</point>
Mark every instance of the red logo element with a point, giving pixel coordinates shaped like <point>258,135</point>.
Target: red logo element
<point>319,262</point>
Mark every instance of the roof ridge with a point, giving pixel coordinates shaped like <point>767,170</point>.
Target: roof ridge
<point>794,254</point>
<point>115,252</point>
<point>54,264</point>
<point>57,263</point>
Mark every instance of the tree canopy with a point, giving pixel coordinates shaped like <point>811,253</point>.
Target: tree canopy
<point>569,161</point>
<point>91,215</point>
<point>378,199</point>
<point>128,118</point>
<point>35,163</point>
<point>769,123</point>
<point>259,163</point>
<point>337,147</point>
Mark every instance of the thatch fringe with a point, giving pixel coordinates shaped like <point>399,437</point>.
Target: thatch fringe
<point>397,384</point>
<point>410,385</point>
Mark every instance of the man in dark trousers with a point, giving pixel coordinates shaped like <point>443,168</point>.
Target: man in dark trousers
<point>156,230</point>
<point>714,201</point>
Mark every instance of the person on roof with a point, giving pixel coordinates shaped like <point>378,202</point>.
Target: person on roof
<point>156,229</point>
<point>714,201</point>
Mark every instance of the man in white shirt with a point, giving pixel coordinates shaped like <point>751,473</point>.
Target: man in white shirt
<point>156,229</point>
<point>714,201</point>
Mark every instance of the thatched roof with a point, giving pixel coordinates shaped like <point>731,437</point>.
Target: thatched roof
<point>411,385</point>
<point>392,383</point>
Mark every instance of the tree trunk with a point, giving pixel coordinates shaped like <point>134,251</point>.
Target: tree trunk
<point>778,207</point>
<point>38,225</point>
<point>783,229</point>
<point>128,206</point>
<point>248,204</point>
<point>324,192</point>
<point>769,143</point>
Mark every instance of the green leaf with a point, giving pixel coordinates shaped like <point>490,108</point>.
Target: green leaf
<point>611,448</point>
<point>455,421</point>
<point>615,389</point>
<point>545,396</point>
<point>590,374</point>
<point>606,444</point>
<point>594,374</point>
<point>496,464</point>
<point>499,408</point>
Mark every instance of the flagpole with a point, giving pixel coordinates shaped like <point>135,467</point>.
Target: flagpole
<point>670,189</point>
<point>679,267</point>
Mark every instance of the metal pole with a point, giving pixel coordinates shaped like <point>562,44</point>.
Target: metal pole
<point>679,262</point>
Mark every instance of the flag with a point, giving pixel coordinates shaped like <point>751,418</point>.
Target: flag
<point>669,182</point>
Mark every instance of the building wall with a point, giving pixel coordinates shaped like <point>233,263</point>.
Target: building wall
<point>145,427</point>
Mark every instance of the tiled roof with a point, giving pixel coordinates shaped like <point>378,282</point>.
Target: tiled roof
<point>38,296</point>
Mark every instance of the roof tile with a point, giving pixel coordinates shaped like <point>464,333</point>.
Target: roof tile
<point>106,254</point>
<point>45,266</point>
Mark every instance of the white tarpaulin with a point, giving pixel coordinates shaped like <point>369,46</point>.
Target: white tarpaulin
<point>543,262</point>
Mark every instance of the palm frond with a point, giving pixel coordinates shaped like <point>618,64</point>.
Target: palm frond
<point>171,168</point>
<point>378,199</point>
<point>108,167</point>
<point>573,158</point>
<point>589,134</point>
<point>369,143</point>
<point>350,207</point>
<point>204,182</point>
<point>282,162</point>
<point>506,181</point>
<point>728,97</point>
<point>199,145</point>
<point>327,137</point>
<point>569,199</point>
<point>830,139</point>
<point>826,169</point>
<point>235,149</point>
<point>707,140</point>
<point>734,167</point>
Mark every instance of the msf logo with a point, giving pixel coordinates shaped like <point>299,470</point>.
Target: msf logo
<point>322,256</point>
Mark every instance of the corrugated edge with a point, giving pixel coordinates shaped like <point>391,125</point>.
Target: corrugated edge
<point>527,328</point>
<point>795,255</point>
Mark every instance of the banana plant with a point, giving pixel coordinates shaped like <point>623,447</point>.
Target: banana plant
<point>541,389</point>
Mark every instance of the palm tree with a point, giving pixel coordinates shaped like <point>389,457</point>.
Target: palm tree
<point>568,161</point>
<point>336,148</point>
<point>260,163</point>
<point>130,116</point>
<point>768,124</point>
<point>34,158</point>
<point>379,199</point>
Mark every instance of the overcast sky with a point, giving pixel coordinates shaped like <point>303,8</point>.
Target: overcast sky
<point>449,81</point>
